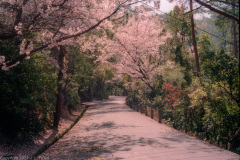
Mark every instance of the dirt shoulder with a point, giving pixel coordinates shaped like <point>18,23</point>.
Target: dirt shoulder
<point>10,151</point>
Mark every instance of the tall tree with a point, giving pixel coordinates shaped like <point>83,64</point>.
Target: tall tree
<point>234,33</point>
<point>184,20</point>
<point>60,98</point>
<point>194,38</point>
<point>228,25</point>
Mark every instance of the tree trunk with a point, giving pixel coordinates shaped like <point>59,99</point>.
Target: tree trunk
<point>235,36</point>
<point>235,40</point>
<point>60,93</point>
<point>194,39</point>
<point>159,116</point>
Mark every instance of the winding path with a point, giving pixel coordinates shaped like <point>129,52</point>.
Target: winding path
<point>111,130</point>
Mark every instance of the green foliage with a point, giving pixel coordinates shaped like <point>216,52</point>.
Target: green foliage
<point>222,119</point>
<point>81,74</point>
<point>222,28</point>
<point>27,98</point>
<point>135,99</point>
<point>103,73</point>
<point>159,102</point>
<point>121,21</point>
<point>174,75</point>
<point>176,46</point>
<point>113,59</point>
<point>178,23</point>
<point>206,53</point>
<point>223,70</point>
<point>157,84</point>
<point>208,107</point>
<point>117,87</point>
<point>74,99</point>
<point>204,44</point>
<point>109,34</point>
<point>138,94</point>
<point>87,79</point>
<point>208,24</point>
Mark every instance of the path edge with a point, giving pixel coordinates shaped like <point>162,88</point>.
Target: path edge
<point>57,137</point>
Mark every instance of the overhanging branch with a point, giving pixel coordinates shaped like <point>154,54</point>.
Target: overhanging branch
<point>21,57</point>
<point>218,11</point>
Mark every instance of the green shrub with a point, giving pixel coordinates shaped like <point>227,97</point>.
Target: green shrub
<point>27,97</point>
<point>74,99</point>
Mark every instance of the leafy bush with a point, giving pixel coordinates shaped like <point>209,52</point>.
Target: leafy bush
<point>222,119</point>
<point>208,108</point>
<point>74,99</point>
<point>27,98</point>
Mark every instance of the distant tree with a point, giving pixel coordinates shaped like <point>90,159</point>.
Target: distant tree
<point>226,11</point>
<point>136,46</point>
<point>177,45</point>
<point>191,16</point>
<point>229,26</point>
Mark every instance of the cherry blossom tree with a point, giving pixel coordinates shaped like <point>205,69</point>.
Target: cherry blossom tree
<point>44,24</point>
<point>40,25</point>
<point>135,46</point>
<point>138,47</point>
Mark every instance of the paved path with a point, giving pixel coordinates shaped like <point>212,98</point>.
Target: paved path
<point>112,131</point>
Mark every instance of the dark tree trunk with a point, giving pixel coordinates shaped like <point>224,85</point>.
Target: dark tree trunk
<point>60,93</point>
<point>235,36</point>
<point>194,39</point>
<point>235,40</point>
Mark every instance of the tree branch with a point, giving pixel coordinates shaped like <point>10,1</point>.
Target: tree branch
<point>226,2</point>
<point>218,11</point>
<point>14,61</point>
<point>192,10</point>
<point>59,5</point>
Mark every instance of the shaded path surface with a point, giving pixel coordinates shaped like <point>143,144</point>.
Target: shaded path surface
<point>111,130</point>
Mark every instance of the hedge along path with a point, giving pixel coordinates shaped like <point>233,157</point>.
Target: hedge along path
<point>58,136</point>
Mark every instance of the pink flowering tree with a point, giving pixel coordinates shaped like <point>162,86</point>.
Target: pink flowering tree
<point>38,26</point>
<point>43,24</point>
<point>135,47</point>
